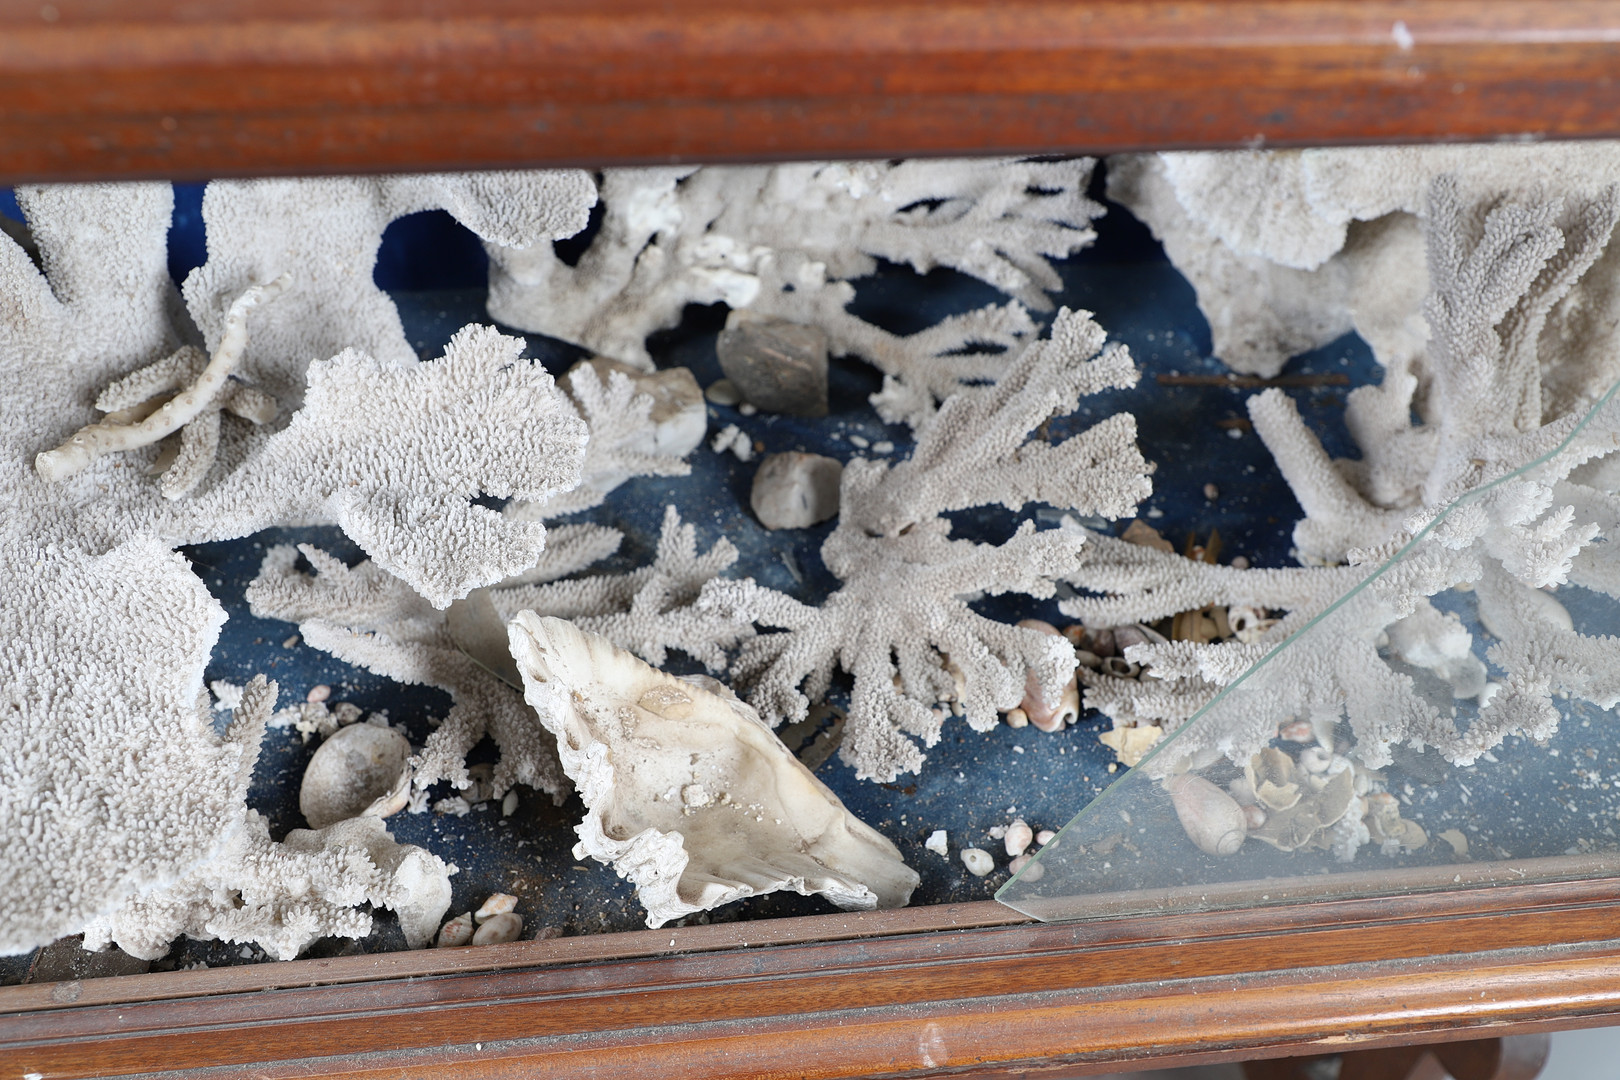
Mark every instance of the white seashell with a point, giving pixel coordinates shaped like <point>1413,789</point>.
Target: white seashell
<point>1017,718</point>
<point>458,931</point>
<point>509,804</point>
<point>1121,668</point>
<point>482,783</point>
<point>1212,819</point>
<point>498,904</point>
<point>748,817</point>
<point>1025,864</point>
<point>978,861</point>
<point>1044,837</point>
<point>359,770</point>
<point>499,929</point>
<point>1019,837</point>
<point>1314,759</point>
<point>1066,710</point>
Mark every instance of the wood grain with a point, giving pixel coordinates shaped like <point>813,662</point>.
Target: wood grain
<point>983,998</point>
<point>169,89</point>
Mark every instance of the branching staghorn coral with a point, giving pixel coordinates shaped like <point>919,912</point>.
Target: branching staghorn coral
<point>107,630</point>
<point>183,392</point>
<point>326,232</point>
<point>369,618</point>
<point>901,624</point>
<point>647,611</point>
<point>1496,274</point>
<point>785,241</point>
<point>1290,249</point>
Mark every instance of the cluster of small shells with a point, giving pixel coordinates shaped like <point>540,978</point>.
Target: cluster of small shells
<point>1315,800</point>
<point>494,923</point>
<point>1016,838</point>
<point>1102,656</point>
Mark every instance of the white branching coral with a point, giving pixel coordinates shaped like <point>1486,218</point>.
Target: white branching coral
<point>1496,270</point>
<point>395,453</point>
<point>901,622</point>
<point>107,631</point>
<point>284,896</point>
<point>1290,249</point>
<point>639,425</point>
<point>650,610</point>
<point>1495,276</point>
<point>183,392</point>
<point>369,618</point>
<point>785,240</point>
<point>326,232</point>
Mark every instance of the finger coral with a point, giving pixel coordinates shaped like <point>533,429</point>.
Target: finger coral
<point>784,241</point>
<point>282,896</point>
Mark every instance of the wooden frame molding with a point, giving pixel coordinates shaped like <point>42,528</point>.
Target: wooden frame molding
<point>958,990</point>
<point>159,88</point>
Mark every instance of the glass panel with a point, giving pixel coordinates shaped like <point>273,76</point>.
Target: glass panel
<point>1446,721</point>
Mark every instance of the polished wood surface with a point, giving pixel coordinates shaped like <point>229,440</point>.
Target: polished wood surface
<point>162,88</point>
<point>904,994</point>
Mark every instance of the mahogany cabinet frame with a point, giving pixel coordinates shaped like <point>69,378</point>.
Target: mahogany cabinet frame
<point>97,89</point>
<point>192,89</point>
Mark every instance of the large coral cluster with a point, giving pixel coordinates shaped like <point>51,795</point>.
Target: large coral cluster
<point>1493,371</point>
<point>249,399</point>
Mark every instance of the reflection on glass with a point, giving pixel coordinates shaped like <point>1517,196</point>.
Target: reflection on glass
<point>1446,721</point>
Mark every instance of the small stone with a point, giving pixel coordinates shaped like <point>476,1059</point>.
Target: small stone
<point>318,693</point>
<point>1240,562</point>
<point>747,409</point>
<point>859,442</point>
<point>1044,837</point>
<point>499,929</point>
<point>498,904</point>
<point>796,490</point>
<point>937,842</point>
<point>723,392</point>
<point>458,931</point>
<point>509,804</point>
<point>883,446</point>
<point>776,365</point>
<point>1211,492</point>
<point>1017,718</point>
<point>1019,837</point>
<point>978,861</point>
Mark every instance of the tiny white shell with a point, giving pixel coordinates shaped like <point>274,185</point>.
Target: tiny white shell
<point>499,930</point>
<point>1019,837</point>
<point>458,931</point>
<point>1213,819</point>
<point>978,861</point>
<point>498,904</point>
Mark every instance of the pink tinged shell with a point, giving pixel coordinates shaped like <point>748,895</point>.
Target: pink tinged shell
<point>1066,710</point>
<point>1212,819</point>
